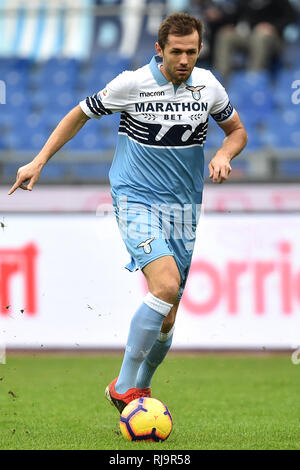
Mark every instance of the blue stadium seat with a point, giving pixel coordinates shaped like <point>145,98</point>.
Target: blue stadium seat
<point>85,141</point>
<point>255,139</point>
<point>2,144</point>
<point>257,103</point>
<point>287,76</point>
<point>13,141</point>
<point>215,136</point>
<point>89,141</point>
<point>70,66</point>
<point>251,93</point>
<point>19,67</point>
<point>17,101</point>
<point>34,122</point>
<point>282,129</point>
<point>283,90</point>
<point>94,80</point>
<point>287,119</point>
<point>10,119</point>
<point>98,134</point>
<point>248,118</point>
<point>51,117</point>
<point>91,85</point>
<point>90,171</point>
<point>289,168</point>
<point>108,60</point>
<point>54,73</point>
<point>102,69</point>
<point>245,81</point>
<point>284,137</point>
<point>61,102</point>
<point>25,138</point>
<point>9,170</point>
<point>59,80</point>
<point>39,99</point>
<point>55,171</point>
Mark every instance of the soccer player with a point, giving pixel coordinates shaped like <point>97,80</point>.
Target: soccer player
<point>157,180</point>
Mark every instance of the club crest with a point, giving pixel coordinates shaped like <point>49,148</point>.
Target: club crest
<point>195,90</point>
<point>146,245</point>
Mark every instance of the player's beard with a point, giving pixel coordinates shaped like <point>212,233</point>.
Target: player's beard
<point>185,75</point>
<point>176,77</point>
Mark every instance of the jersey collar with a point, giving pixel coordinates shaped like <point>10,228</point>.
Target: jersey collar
<point>158,76</point>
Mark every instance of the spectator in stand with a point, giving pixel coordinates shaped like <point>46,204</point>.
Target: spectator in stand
<point>255,27</point>
<point>214,15</point>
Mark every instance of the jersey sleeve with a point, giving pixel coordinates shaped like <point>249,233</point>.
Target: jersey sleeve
<point>221,110</point>
<point>112,99</point>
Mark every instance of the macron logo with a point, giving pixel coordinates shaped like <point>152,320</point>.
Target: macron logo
<point>146,94</point>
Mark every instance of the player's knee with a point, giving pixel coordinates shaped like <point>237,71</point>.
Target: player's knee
<point>167,290</point>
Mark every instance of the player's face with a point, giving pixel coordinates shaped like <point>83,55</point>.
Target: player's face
<point>179,56</point>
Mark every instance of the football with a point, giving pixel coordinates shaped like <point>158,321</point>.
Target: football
<point>146,419</point>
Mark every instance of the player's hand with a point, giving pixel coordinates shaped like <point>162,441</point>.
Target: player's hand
<point>30,172</point>
<point>219,168</point>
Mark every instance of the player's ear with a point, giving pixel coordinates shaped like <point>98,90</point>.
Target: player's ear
<point>158,49</point>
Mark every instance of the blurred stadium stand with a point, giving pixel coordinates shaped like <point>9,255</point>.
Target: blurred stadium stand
<point>53,54</point>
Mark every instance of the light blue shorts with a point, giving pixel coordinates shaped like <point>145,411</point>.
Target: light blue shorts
<point>153,231</point>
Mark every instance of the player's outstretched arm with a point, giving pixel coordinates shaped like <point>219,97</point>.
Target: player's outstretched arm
<point>66,130</point>
<point>234,142</point>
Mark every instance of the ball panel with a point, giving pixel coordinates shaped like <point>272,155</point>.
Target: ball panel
<point>164,426</point>
<point>146,419</point>
<point>130,408</point>
<point>125,432</point>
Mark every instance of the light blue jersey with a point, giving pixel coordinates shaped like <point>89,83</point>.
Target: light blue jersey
<point>157,171</point>
<point>159,153</point>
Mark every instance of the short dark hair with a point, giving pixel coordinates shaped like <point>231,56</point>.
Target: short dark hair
<point>179,24</point>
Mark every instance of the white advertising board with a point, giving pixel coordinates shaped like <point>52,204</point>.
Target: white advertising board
<point>93,198</point>
<point>63,283</point>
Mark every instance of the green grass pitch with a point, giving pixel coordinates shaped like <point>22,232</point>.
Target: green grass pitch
<point>217,402</point>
